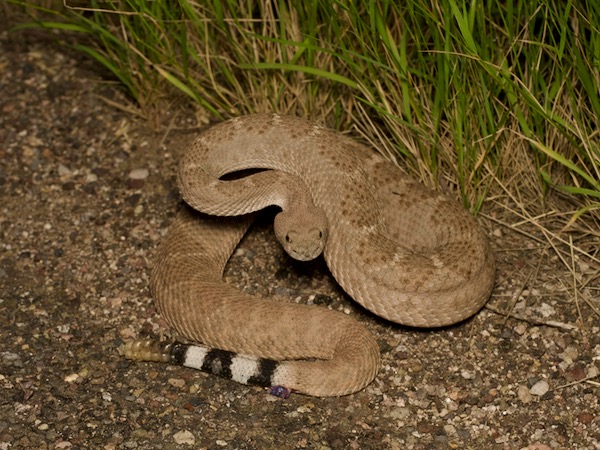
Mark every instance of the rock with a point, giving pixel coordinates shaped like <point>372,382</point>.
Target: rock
<point>139,174</point>
<point>524,394</point>
<point>539,388</point>
<point>177,382</point>
<point>64,171</point>
<point>184,437</point>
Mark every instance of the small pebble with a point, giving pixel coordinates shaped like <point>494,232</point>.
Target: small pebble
<point>569,355</point>
<point>177,382</point>
<point>71,378</point>
<point>524,394</point>
<point>184,437</point>
<point>546,310</point>
<point>467,375</point>
<point>139,174</point>
<point>449,429</point>
<point>399,413</point>
<point>539,388</point>
<point>64,171</point>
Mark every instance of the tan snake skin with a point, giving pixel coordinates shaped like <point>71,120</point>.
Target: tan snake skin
<point>406,253</point>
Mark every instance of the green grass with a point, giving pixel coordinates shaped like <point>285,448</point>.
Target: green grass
<point>468,93</point>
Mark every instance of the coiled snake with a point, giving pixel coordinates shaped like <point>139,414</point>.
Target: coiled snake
<point>405,252</point>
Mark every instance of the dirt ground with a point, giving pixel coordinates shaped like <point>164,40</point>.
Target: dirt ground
<point>86,193</point>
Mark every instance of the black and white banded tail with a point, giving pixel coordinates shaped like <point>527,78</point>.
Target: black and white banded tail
<point>241,368</point>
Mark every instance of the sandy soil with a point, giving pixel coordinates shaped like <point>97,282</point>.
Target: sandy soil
<point>80,219</point>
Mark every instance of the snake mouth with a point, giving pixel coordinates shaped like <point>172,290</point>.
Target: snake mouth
<point>305,255</point>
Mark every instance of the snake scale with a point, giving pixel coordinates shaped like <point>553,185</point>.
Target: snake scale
<point>401,250</point>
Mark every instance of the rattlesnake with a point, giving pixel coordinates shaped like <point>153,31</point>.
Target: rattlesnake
<point>406,253</point>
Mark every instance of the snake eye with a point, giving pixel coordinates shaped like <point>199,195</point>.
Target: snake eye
<point>287,238</point>
<point>320,235</point>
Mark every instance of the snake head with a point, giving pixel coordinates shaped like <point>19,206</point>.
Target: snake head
<point>303,235</point>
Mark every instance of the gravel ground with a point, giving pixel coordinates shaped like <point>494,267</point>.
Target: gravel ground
<point>85,194</point>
